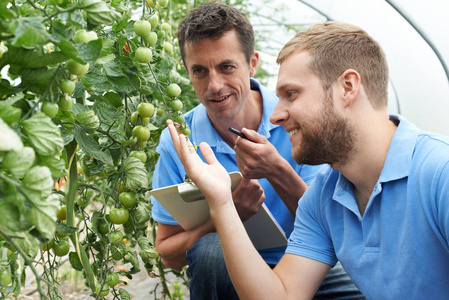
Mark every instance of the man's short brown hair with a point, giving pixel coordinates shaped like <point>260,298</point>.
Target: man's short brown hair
<point>212,20</point>
<point>336,47</point>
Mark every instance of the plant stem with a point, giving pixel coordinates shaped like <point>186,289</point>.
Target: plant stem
<point>28,261</point>
<point>70,203</point>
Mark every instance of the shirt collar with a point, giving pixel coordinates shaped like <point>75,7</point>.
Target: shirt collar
<point>205,132</point>
<point>400,153</point>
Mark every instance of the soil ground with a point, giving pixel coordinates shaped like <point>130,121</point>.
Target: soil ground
<point>72,286</point>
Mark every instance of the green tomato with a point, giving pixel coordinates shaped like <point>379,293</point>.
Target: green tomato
<point>134,117</point>
<point>141,133</point>
<point>159,112</point>
<point>82,201</point>
<point>143,55</point>
<point>50,108</point>
<point>154,20</point>
<point>65,103</point>
<point>173,90</point>
<point>176,105</point>
<point>150,39</point>
<point>186,131</point>
<point>76,68</point>
<point>141,144</point>
<point>90,178</point>
<point>179,118</point>
<point>142,27</point>
<point>166,27</point>
<point>62,213</point>
<point>160,34</point>
<point>102,293</point>
<point>112,279</point>
<point>103,227</point>
<point>62,248</point>
<point>119,215</point>
<point>89,193</point>
<point>127,199</point>
<point>140,155</point>
<point>115,237</point>
<point>84,36</point>
<point>177,285</point>
<point>67,86</point>
<point>168,47</point>
<point>145,109</point>
<point>162,3</point>
<point>5,277</point>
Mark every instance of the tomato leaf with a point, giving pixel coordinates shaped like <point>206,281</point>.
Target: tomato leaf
<point>90,146</point>
<point>142,215</point>
<point>55,164</point>
<point>90,51</point>
<point>135,173</point>
<point>43,214</point>
<point>75,261</point>
<point>18,162</point>
<point>43,135</point>
<point>30,32</point>
<point>10,114</point>
<point>9,140</point>
<point>38,179</point>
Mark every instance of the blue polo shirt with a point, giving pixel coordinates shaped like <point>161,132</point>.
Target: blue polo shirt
<point>399,248</point>
<point>169,169</point>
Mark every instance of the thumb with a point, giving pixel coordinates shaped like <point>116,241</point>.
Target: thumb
<point>254,136</point>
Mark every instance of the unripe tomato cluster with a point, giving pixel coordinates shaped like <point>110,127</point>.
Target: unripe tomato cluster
<point>173,91</point>
<point>139,120</point>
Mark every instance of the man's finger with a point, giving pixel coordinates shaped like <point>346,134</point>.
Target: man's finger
<point>254,136</point>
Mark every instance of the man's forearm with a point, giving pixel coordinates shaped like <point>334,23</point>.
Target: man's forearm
<point>173,248</point>
<point>288,185</point>
<point>251,276</point>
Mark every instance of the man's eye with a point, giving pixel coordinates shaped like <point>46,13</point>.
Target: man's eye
<point>290,94</point>
<point>198,72</point>
<point>227,68</point>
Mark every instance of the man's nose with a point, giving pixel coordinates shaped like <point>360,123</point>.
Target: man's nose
<point>215,82</point>
<point>279,115</point>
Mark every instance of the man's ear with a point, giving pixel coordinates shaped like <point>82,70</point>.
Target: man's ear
<point>350,83</point>
<point>253,63</point>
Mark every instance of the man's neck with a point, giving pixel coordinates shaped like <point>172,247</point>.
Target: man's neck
<point>365,167</point>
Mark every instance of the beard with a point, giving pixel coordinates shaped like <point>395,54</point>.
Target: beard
<point>327,138</point>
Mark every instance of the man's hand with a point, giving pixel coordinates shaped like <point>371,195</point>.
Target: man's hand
<point>210,177</point>
<point>256,157</point>
<point>248,197</point>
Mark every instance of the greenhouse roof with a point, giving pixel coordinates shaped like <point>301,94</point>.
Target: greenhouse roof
<point>414,36</point>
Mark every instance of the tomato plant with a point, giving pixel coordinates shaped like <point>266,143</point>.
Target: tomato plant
<point>72,136</point>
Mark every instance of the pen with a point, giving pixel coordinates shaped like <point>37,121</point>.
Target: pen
<point>238,132</point>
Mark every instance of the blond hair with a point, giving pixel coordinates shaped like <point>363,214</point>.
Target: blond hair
<point>336,47</point>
